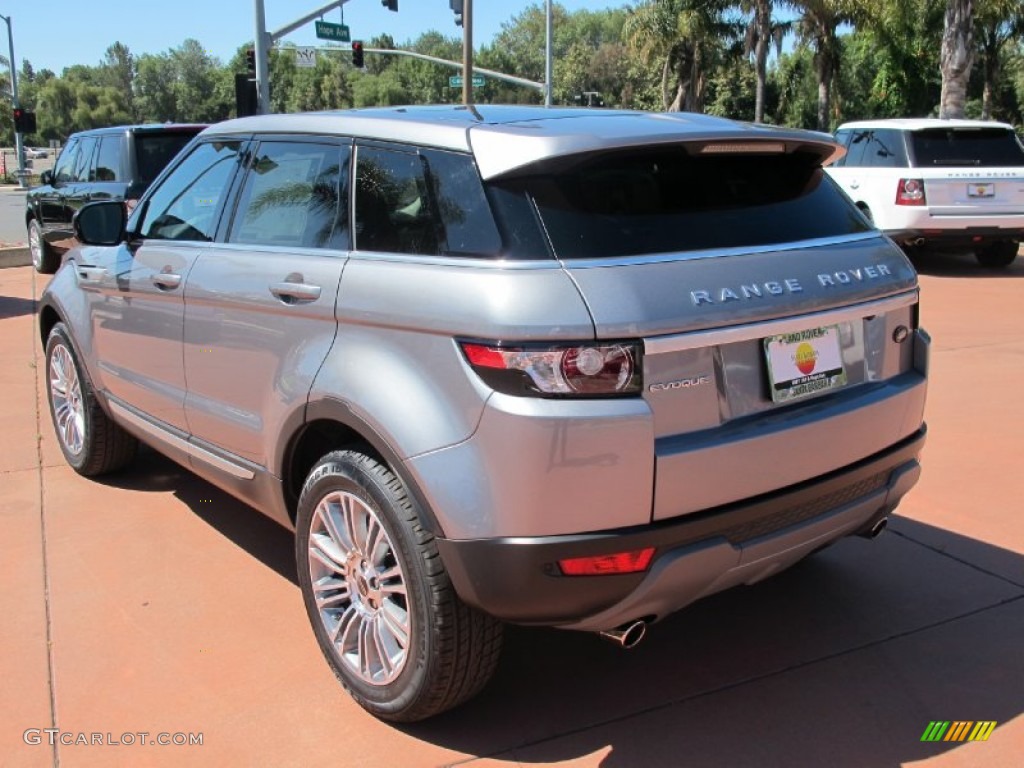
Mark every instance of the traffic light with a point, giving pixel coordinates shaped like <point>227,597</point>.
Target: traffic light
<point>357,53</point>
<point>250,60</point>
<point>391,5</point>
<point>24,121</point>
<point>456,6</point>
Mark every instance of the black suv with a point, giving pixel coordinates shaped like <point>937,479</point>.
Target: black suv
<point>116,163</point>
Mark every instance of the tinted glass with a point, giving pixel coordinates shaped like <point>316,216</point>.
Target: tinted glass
<point>858,146</point>
<point>63,171</point>
<point>108,161</point>
<point>83,165</point>
<point>154,151</point>
<point>393,209</point>
<point>291,196</point>
<point>467,227</point>
<point>981,147</point>
<point>185,205</point>
<point>843,137</point>
<point>666,201</point>
<point>886,150</point>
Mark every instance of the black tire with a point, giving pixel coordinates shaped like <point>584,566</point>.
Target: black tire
<point>101,445</point>
<point>451,650</point>
<point>998,255</point>
<point>45,261</point>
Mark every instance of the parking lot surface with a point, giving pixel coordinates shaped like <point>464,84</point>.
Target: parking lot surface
<point>151,607</point>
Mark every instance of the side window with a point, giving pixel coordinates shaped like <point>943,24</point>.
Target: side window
<point>467,226</point>
<point>292,196</point>
<point>83,165</point>
<point>185,205</point>
<point>108,160</point>
<point>887,149</point>
<point>392,205</point>
<point>858,145</point>
<point>64,171</point>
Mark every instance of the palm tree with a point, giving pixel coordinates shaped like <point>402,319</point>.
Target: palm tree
<point>818,26</point>
<point>683,35</point>
<point>957,57</point>
<point>996,22</point>
<point>761,33</point>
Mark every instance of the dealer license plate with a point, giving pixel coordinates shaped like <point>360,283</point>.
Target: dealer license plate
<point>804,363</point>
<point>981,190</point>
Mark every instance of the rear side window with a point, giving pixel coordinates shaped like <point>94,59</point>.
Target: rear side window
<point>666,201</point>
<point>108,161</point>
<point>426,202</point>
<point>968,148</point>
<point>292,197</point>
<point>83,165</point>
<point>154,151</point>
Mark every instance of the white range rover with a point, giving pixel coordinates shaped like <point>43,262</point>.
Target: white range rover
<point>951,185</point>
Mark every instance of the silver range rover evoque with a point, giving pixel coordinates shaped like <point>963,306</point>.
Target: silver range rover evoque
<point>573,368</point>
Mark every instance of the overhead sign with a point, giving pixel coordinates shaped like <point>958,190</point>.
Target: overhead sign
<point>325,30</point>
<point>305,58</point>
<point>455,81</point>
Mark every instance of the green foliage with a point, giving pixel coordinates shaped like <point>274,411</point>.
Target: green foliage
<point>841,60</point>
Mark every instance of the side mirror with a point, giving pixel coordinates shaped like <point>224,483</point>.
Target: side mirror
<point>101,223</point>
<point>46,177</point>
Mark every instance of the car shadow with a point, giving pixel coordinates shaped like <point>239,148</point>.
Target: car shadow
<point>236,521</point>
<point>843,660</point>
<point>962,265</point>
<point>14,306</point>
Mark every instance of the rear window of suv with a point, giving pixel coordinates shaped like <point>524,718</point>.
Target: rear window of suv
<point>984,148</point>
<point>154,151</point>
<point>664,201</point>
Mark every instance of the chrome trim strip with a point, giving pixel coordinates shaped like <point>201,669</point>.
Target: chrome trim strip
<point>166,436</point>
<point>682,342</point>
<point>662,258</point>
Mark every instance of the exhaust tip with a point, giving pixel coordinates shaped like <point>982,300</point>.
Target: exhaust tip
<point>628,635</point>
<point>876,529</point>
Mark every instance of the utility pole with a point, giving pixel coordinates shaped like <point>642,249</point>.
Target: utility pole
<point>467,52</point>
<point>19,148</point>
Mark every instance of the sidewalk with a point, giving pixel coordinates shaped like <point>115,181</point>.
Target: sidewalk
<point>153,603</point>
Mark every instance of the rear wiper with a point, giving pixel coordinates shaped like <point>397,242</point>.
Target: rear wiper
<point>953,161</point>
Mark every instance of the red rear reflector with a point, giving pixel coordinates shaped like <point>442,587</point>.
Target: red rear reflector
<point>604,565</point>
<point>485,357</point>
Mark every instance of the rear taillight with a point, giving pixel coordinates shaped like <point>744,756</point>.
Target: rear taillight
<point>578,370</point>
<point>910,192</point>
<point>635,561</point>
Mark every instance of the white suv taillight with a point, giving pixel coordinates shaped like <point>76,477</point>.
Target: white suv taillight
<point>910,192</point>
<point>595,370</point>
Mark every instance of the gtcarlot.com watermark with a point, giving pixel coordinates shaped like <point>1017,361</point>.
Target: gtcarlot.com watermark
<point>55,736</point>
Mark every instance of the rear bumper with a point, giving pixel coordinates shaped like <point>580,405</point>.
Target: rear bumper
<point>961,238</point>
<point>518,579</point>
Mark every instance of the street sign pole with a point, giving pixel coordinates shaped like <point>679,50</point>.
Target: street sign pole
<point>265,40</point>
<point>467,52</point>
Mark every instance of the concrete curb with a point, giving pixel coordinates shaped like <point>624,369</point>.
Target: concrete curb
<point>15,257</point>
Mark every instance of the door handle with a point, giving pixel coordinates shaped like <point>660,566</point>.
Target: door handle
<point>91,274</point>
<point>166,280</point>
<point>295,292</point>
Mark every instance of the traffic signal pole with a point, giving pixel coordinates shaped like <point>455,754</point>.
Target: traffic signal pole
<point>467,52</point>
<point>265,40</point>
<point>19,147</point>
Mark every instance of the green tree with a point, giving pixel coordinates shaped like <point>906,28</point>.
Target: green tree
<point>686,38</point>
<point>818,27</point>
<point>996,23</point>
